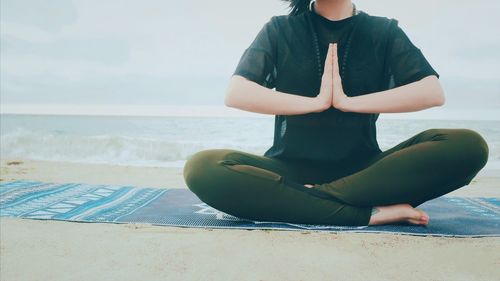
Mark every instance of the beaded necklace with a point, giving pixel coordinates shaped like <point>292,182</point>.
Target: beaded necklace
<point>316,43</point>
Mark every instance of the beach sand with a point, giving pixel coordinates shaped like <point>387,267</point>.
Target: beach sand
<point>55,250</point>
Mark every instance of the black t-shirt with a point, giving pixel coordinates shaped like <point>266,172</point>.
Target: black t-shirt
<point>280,45</point>
<point>332,31</point>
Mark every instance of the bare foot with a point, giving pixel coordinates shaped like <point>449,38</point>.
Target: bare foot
<point>395,214</point>
<point>399,213</point>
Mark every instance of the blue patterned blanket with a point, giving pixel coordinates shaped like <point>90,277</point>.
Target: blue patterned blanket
<point>450,216</point>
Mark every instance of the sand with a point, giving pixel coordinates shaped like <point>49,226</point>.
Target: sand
<point>54,250</point>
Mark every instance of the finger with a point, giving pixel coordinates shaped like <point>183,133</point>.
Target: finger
<point>335,60</point>
<point>336,72</point>
<point>333,69</point>
<point>329,55</point>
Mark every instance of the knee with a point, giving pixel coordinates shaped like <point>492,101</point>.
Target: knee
<point>195,168</point>
<point>201,169</point>
<point>471,144</point>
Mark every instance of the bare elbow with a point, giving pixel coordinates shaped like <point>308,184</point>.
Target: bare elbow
<point>228,100</point>
<point>440,98</point>
<point>437,90</point>
<point>231,97</point>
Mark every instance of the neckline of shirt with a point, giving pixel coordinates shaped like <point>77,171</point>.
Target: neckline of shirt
<point>335,23</point>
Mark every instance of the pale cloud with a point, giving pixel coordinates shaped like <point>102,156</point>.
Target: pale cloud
<point>47,42</point>
<point>50,16</point>
<point>457,37</point>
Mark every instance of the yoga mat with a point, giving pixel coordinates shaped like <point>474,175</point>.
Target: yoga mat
<point>79,202</point>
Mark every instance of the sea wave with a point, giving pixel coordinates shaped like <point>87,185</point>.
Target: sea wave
<point>169,142</point>
<point>108,149</point>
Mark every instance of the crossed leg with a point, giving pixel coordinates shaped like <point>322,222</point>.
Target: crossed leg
<point>256,187</point>
<point>432,163</point>
<point>425,166</point>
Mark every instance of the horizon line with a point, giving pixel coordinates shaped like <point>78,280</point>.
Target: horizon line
<point>176,110</point>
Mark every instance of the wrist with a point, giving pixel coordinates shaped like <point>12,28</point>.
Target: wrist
<point>346,105</point>
<point>320,104</point>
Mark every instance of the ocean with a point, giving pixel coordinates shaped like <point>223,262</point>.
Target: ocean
<point>167,141</point>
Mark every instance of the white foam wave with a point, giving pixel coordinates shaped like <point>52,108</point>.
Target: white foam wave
<point>106,149</point>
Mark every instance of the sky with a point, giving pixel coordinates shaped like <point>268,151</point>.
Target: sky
<point>184,52</point>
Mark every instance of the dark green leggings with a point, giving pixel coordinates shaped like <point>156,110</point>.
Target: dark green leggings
<point>429,164</point>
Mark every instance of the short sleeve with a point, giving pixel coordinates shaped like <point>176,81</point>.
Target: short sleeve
<point>406,62</point>
<point>258,61</point>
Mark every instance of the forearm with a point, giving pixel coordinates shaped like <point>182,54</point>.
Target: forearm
<point>414,96</point>
<point>250,96</point>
